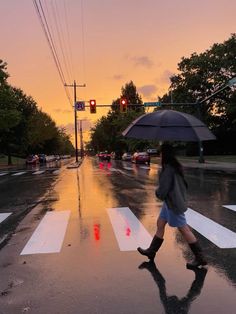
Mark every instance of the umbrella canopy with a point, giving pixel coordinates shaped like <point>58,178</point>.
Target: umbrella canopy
<point>168,125</point>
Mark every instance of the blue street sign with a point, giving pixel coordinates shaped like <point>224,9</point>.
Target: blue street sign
<point>80,105</point>
<point>152,104</point>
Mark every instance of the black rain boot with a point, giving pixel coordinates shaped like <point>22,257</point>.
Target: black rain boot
<point>199,258</point>
<point>153,248</point>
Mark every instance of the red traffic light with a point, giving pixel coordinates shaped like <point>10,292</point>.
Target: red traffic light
<point>92,104</point>
<point>123,105</point>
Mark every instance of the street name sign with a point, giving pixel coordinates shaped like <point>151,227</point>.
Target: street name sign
<point>80,105</point>
<point>152,104</point>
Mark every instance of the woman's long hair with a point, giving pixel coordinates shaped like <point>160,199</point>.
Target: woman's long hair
<point>168,158</point>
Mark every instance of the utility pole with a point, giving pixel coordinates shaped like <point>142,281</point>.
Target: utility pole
<point>75,113</point>
<point>81,140</point>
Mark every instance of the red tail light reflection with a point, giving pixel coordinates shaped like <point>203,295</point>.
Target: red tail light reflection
<point>128,231</point>
<point>96,231</point>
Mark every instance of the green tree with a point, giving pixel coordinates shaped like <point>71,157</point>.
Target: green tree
<point>134,100</point>
<point>23,128</point>
<point>65,146</point>
<point>3,73</point>
<point>200,76</point>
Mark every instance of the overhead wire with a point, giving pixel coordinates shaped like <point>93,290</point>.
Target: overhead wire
<point>44,24</point>
<point>57,34</point>
<point>82,39</point>
<point>69,39</point>
<point>61,39</point>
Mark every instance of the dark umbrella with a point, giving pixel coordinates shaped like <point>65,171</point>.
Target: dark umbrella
<point>168,125</point>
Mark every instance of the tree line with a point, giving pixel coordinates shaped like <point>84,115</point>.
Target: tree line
<point>24,128</point>
<point>199,76</point>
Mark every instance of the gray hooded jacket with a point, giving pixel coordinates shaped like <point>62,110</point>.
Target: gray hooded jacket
<point>172,190</point>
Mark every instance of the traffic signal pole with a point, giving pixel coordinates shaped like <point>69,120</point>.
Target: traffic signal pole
<point>75,118</point>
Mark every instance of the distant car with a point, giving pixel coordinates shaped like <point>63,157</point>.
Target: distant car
<point>58,157</point>
<point>141,158</point>
<point>116,155</point>
<point>42,158</point>
<point>32,160</point>
<point>50,158</point>
<point>152,151</point>
<point>127,157</point>
<point>104,156</point>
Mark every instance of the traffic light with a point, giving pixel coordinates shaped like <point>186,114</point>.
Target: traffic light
<point>123,105</point>
<point>92,104</point>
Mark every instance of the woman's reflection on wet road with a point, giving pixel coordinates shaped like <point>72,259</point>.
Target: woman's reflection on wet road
<point>172,304</point>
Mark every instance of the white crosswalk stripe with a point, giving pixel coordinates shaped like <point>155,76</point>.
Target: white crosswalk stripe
<point>3,174</point>
<point>18,173</point>
<point>231,207</point>
<point>113,169</point>
<point>56,172</point>
<point>49,235</point>
<point>128,168</point>
<point>217,234</point>
<point>4,216</point>
<point>39,172</point>
<point>129,231</point>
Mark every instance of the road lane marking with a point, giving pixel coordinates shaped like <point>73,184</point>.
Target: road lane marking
<point>3,216</point>
<point>214,232</point>
<point>39,172</point>
<point>129,231</point>
<point>49,235</point>
<point>18,173</point>
<point>231,207</point>
<point>145,167</point>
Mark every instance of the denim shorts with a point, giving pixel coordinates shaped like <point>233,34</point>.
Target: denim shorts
<point>173,220</point>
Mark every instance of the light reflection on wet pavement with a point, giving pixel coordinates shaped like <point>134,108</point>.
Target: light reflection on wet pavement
<point>91,274</point>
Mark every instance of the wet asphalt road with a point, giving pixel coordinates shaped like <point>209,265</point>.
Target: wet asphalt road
<point>91,274</point>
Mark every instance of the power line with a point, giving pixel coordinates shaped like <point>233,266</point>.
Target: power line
<point>68,36</point>
<point>61,39</point>
<point>46,30</point>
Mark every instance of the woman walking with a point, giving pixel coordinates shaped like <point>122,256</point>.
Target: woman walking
<point>172,191</point>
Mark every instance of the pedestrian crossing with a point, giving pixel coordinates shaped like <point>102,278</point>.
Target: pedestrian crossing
<point>4,216</point>
<point>129,232</point>
<point>38,172</point>
<point>49,235</point>
<point>18,173</point>
<point>231,207</point>
<point>214,232</point>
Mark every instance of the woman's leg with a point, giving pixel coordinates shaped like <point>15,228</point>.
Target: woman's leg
<point>156,241</point>
<point>194,246</point>
<point>161,224</point>
<point>187,234</point>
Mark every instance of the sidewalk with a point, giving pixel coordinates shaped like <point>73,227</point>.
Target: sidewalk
<point>228,167</point>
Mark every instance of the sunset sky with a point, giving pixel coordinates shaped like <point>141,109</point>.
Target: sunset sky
<point>105,44</point>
